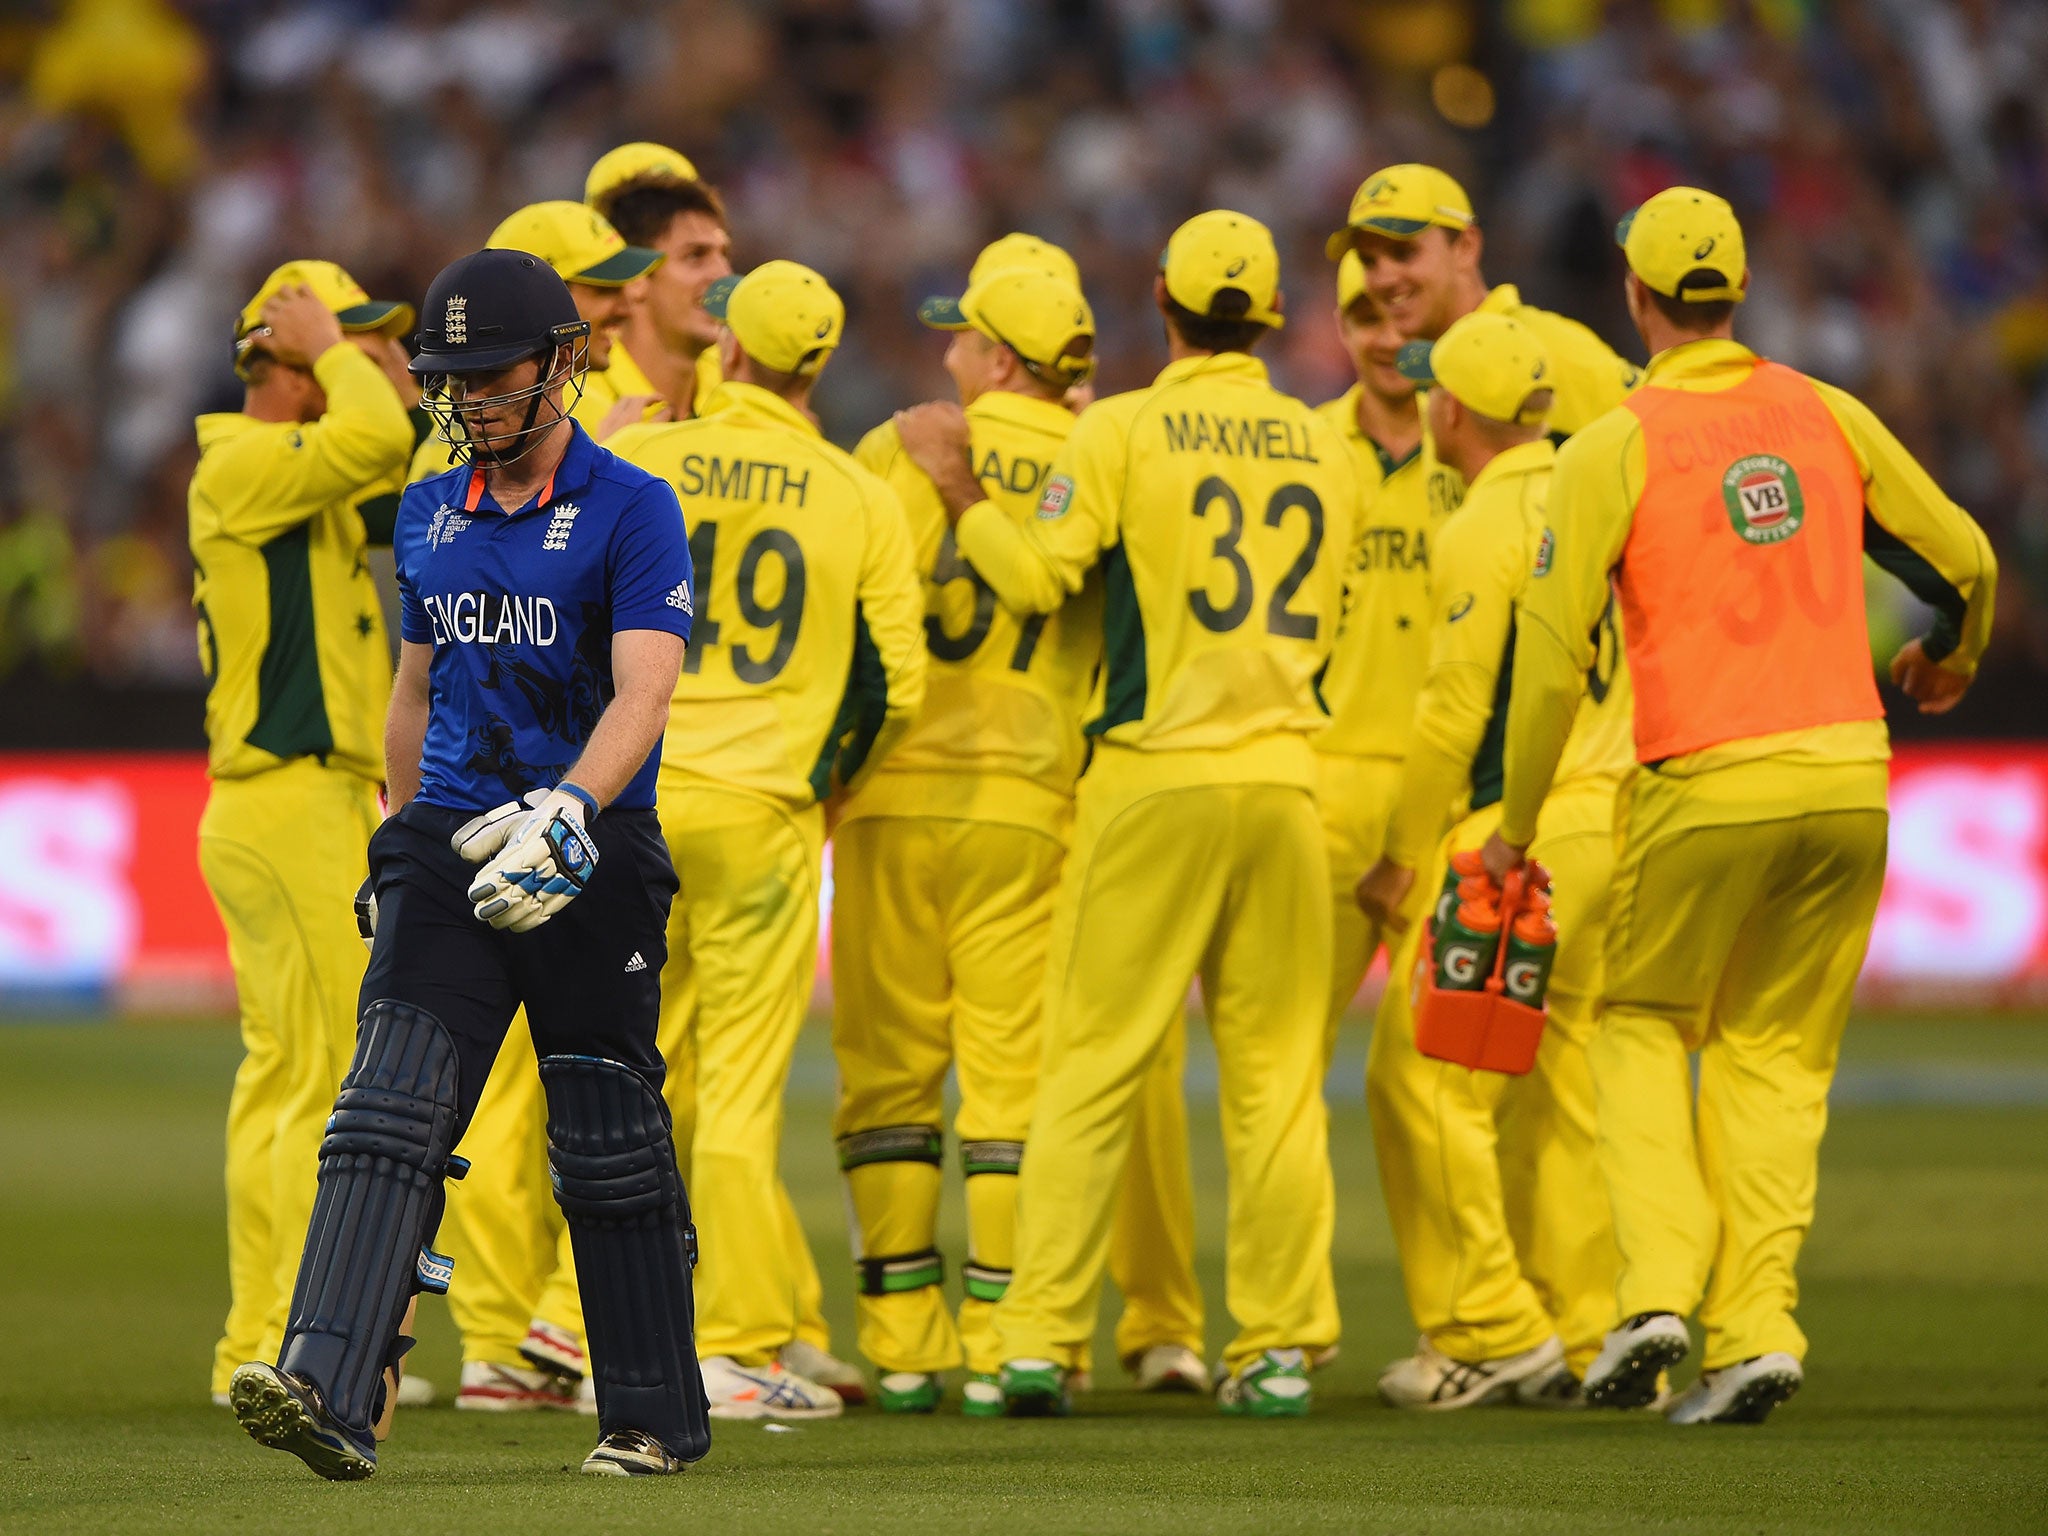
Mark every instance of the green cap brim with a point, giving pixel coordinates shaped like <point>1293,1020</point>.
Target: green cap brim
<point>376,316</point>
<point>1412,362</point>
<point>943,314</point>
<point>719,294</point>
<point>1621,228</point>
<point>620,268</point>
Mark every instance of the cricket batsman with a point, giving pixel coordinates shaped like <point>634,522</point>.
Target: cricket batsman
<point>808,665</point>
<point>1728,506</point>
<point>1499,1215</point>
<point>545,593</point>
<point>1218,513</point>
<point>517,1306</point>
<point>292,639</point>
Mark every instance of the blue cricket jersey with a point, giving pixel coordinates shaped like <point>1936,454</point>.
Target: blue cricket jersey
<point>520,609</point>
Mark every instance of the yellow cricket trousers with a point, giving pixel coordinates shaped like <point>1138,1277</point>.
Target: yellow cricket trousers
<point>743,947</point>
<point>1741,942</point>
<point>1181,867</point>
<point>1354,796</point>
<point>939,931</point>
<point>503,1228</point>
<point>1492,1182</point>
<point>283,853</point>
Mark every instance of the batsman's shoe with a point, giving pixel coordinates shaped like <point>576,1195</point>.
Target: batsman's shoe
<point>909,1392</point>
<point>283,1412</point>
<point>416,1392</point>
<point>770,1391</point>
<point>1624,1374</point>
<point>1431,1380</point>
<point>826,1369</point>
<point>488,1387</point>
<point>1169,1368</point>
<point>1555,1388</point>
<point>1033,1389</point>
<point>629,1453</point>
<point>982,1396</point>
<point>548,1348</point>
<point>1271,1385</point>
<point>1744,1393</point>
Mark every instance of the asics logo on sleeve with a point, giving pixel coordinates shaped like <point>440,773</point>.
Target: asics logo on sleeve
<point>491,618</point>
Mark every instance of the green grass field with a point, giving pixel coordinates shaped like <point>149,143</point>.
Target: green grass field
<point>1925,1409</point>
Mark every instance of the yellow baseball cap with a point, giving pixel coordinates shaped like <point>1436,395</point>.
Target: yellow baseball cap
<point>785,315</point>
<point>1350,281</point>
<point>1036,313</point>
<point>354,308</point>
<point>633,162</point>
<point>1490,362</point>
<point>1022,250</point>
<point>1218,250</point>
<point>1682,231</point>
<point>577,241</point>
<point>1402,201</point>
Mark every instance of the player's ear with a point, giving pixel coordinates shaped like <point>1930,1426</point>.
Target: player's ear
<point>1159,293</point>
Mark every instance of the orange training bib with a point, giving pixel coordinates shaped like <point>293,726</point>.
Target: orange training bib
<point>1742,580</point>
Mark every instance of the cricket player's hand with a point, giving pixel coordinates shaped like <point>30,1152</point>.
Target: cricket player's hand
<point>936,438</point>
<point>1382,889</point>
<point>1502,858</point>
<point>630,411</point>
<point>300,328</point>
<point>543,863</point>
<point>366,911</point>
<point>1934,687</point>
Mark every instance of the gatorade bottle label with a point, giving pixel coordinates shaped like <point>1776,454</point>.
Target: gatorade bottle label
<point>1465,948</point>
<point>1532,951</point>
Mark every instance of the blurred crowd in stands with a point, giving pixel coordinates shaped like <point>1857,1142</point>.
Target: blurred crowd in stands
<point>157,157</point>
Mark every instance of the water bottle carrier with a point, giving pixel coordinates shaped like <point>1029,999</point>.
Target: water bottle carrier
<point>1485,1030</point>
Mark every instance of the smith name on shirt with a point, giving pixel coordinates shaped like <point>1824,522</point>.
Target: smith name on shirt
<point>741,479</point>
<point>1242,437</point>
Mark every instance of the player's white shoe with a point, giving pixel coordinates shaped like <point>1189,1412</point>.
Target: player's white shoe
<point>826,1369</point>
<point>491,1388</point>
<point>415,1392</point>
<point>1169,1368</point>
<point>1744,1393</point>
<point>770,1391</point>
<point>1633,1357</point>
<point>1431,1380</point>
<point>548,1348</point>
<point>1554,1388</point>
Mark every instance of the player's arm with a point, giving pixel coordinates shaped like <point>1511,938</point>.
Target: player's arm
<point>879,450</point>
<point>1593,495</point>
<point>405,726</point>
<point>1036,565</point>
<point>885,687</point>
<point>1591,377</point>
<point>1472,610</point>
<point>645,663</point>
<point>285,472</point>
<point>1920,536</point>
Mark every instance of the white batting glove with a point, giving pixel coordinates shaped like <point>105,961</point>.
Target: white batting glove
<point>543,861</point>
<point>481,837</point>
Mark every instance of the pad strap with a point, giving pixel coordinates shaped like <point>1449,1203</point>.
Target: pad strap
<point>978,1157</point>
<point>891,1273</point>
<point>892,1144</point>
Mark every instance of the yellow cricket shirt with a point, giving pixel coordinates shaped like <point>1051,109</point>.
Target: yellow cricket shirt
<point>999,737</point>
<point>1588,378</point>
<point>1376,667</point>
<point>290,631</point>
<point>1486,555</point>
<point>807,661</point>
<point>1910,528</point>
<point>1220,512</point>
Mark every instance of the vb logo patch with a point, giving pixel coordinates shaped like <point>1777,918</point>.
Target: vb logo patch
<point>1546,551</point>
<point>1765,504</point>
<point>1059,491</point>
